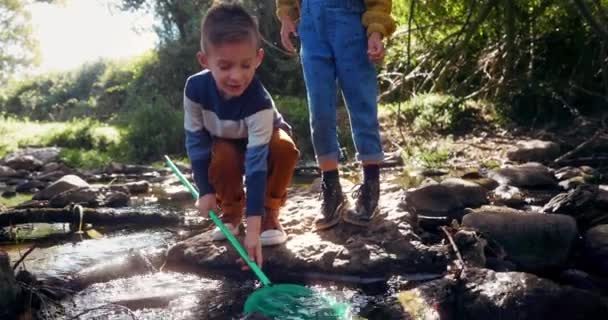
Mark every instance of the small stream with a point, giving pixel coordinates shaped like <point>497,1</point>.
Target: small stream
<point>151,294</point>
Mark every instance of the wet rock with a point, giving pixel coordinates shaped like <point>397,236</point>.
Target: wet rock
<point>486,294</point>
<point>135,263</point>
<point>389,245</point>
<point>507,195</point>
<point>85,196</point>
<point>596,248</point>
<point>601,199</point>
<point>174,193</point>
<point>116,200</point>
<point>44,155</point>
<point>580,204</point>
<point>7,171</point>
<point>534,150</point>
<point>29,185</point>
<point>528,175</point>
<point>8,287</point>
<point>23,162</point>
<point>134,187</point>
<point>9,193</point>
<point>433,300</point>
<point>116,167</point>
<point>64,184</point>
<point>533,241</point>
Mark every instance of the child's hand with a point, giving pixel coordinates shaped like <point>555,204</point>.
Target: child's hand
<point>206,203</point>
<point>288,28</point>
<point>375,47</point>
<point>252,243</point>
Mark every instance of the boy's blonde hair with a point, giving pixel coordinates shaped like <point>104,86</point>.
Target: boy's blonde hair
<point>227,22</point>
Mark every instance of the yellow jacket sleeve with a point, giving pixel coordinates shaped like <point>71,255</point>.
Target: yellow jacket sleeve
<point>377,17</point>
<point>288,7</point>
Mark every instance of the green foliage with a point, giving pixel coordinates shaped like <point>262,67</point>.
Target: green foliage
<point>435,113</point>
<point>83,158</point>
<point>154,129</point>
<point>295,112</point>
<point>18,48</point>
<point>86,134</point>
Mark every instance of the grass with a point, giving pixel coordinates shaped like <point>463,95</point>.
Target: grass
<point>86,143</point>
<point>13,201</point>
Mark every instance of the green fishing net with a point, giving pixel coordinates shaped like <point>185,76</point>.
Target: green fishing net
<point>291,302</point>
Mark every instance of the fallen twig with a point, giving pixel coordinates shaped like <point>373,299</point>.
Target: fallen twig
<point>455,247</point>
<point>24,256</point>
<point>581,146</point>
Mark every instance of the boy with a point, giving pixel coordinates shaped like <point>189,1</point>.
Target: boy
<point>233,129</point>
<point>340,40</point>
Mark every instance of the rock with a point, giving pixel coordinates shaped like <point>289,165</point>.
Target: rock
<point>528,175</point>
<point>85,196</point>
<point>116,200</point>
<point>533,241</point>
<point>29,185</point>
<point>513,295</point>
<point>434,200</point>
<point>174,193</point>
<point>596,248</point>
<point>471,246</point>
<point>135,187</point>
<point>508,196</point>
<point>52,175</point>
<point>436,204</point>
<point>44,155</point>
<point>8,287</point>
<point>64,184</point>
<point>571,183</point>
<point>580,204</point>
<point>388,246</point>
<point>534,150</point>
<point>9,193</point>
<point>470,193</point>
<point>23,162</point>
<point>7,171</point>
<point>587,173</point>
<point>601,199</point>
<point>433,300</point>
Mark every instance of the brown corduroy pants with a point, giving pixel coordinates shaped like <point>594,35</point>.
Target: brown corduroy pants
<point>228,167</point>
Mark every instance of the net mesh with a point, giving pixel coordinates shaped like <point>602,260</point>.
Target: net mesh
<point>290,301</point>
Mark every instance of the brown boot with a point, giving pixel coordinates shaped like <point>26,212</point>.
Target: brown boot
<point>272,231</point>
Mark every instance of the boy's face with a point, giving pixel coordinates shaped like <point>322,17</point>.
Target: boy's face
<point>232,65</point>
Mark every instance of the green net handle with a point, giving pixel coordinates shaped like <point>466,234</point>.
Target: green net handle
<point>235,243</point>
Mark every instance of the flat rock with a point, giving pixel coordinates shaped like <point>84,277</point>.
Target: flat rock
<point>515,295</point>
<point>64,184</point>
<point>596,248</point>
<point>534,241</point>
<point>527,175</point>
<point>44,154</point>
<point>534,150</point>
<point>23,162</point>
<point>387,246</point>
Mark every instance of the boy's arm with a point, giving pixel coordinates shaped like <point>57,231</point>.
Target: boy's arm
<point>377,17</point>
<point>260,127</point>
<point>198,144</point>
<point>287,8</point>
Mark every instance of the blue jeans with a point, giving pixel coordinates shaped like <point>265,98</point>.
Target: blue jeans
<point>334,50</point>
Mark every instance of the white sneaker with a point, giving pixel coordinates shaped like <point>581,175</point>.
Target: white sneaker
<point>218,235</point>
<point>273,237</point>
